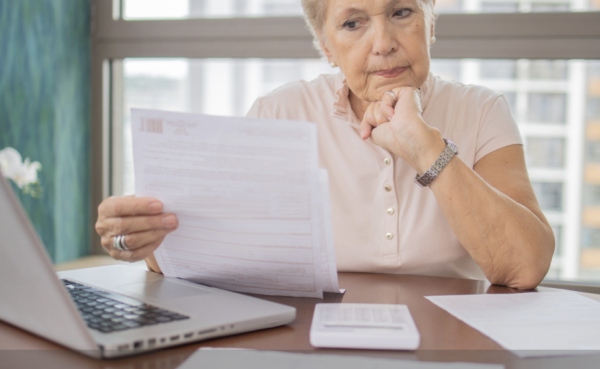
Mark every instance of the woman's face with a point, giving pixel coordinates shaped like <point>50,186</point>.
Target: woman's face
<point>378,44</point>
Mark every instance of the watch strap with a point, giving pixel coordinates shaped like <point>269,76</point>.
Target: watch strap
<point>438,166</point>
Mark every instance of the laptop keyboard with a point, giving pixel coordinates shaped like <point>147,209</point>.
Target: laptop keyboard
<point>109,312</point>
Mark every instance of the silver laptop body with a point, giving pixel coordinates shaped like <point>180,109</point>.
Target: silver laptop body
<point>34,299</point>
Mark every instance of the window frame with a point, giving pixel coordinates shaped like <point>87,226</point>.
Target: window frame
<point>570,35</point>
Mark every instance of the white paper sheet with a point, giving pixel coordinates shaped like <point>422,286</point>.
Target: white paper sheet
<point>531,324</point>
<point>248,197</point>
<point>329,275</point>
<point>250,359</point>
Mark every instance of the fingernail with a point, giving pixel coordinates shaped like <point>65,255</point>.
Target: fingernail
<point>155,206</point>
<point>169,221</point>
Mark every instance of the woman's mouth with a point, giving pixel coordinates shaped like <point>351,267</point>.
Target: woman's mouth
<point>390,73</point>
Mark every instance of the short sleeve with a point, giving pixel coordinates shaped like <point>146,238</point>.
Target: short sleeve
<point>497,129</point>
<point>259,110</point>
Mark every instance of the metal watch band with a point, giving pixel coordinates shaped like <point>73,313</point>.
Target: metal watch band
<point>438,166</point>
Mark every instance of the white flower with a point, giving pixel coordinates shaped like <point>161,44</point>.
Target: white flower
<point>23,174</point>
<point>10,162</point>
<point>27,173</point>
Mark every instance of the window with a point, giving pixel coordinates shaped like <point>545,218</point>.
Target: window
<point>545,152</point>
<point>181,9</point>
<point>223,57</point>
<point>512,6</point>
<point>546,107</point>
<point>178,9</point>
<point>548,69</point>
<point>498,69</point>
<point>549,195</point>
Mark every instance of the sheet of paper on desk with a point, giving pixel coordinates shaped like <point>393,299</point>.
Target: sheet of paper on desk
<point>531,324</point>
<point>250,359</point>
<point>250,200</point>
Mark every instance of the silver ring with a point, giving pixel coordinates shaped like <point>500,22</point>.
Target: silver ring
<point>116,245</point>
<point>123,245</point>
<point>119,243</point>
<point>391,93</point>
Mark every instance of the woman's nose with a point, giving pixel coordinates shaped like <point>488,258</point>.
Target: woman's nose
<point>384,40</point>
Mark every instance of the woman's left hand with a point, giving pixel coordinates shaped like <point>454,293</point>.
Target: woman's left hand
<point>398,127</point>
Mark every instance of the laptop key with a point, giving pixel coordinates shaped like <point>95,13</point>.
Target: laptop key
<point>131,324</point>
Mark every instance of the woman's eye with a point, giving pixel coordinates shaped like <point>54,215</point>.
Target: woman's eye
<point>402,13</point>
<point>351,24</point>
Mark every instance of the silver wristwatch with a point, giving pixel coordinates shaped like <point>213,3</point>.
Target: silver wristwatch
<point>439,164</point>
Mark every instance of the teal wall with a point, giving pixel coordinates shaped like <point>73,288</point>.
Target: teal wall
<point>45,113</point>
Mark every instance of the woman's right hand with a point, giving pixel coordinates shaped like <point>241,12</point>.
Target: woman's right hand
<point>140,220</point>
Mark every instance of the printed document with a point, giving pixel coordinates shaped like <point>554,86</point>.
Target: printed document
<point>252,205</point>
<point>250,359</point>
<point>533,323</point>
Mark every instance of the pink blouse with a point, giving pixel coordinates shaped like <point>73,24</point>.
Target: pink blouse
<point>382,221</point>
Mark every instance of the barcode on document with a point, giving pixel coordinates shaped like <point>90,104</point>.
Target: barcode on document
<point>152,125</point>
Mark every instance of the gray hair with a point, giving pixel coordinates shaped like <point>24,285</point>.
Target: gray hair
<point>315,11</point>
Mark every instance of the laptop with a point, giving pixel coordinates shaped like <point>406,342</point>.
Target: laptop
<point>113,311</point>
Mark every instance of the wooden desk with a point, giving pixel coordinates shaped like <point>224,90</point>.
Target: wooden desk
<point>443,337</point>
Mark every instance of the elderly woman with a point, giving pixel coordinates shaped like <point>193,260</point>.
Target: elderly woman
<point>427,176</point>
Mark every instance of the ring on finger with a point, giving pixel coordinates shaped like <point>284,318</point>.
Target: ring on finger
<point>392,94</point>
<point>119,243</point>
<point>123,244</point>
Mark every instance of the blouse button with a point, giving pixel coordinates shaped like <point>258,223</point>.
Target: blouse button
<point>390,211</point>
<point>387,161</point>
<point>387,187</point>
<point>389,236</point>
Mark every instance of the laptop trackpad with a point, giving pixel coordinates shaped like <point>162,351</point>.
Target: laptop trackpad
<point>164,289</point>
